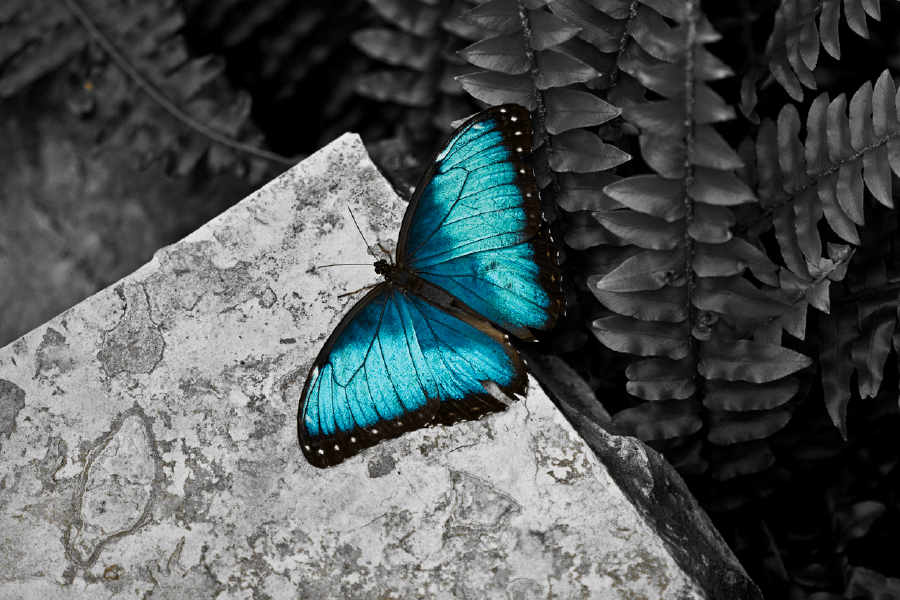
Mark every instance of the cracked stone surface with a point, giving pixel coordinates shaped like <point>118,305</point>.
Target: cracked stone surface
<point>148,445</point>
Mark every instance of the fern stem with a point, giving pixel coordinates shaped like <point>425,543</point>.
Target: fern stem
<point>541,107</point>
<point>85,21</point>
<point>813,181</point>
<point>776,552</point>
<point>623,43</point>
<point>799,295</point>
<point>690,41</point>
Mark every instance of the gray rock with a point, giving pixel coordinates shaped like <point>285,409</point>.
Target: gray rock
<point>149,442</point>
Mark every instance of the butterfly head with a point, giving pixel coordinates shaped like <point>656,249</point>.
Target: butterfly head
<point>382,267</point>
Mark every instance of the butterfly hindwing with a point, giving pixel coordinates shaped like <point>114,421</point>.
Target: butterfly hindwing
<point>396,363</point>
<point>474,226</point>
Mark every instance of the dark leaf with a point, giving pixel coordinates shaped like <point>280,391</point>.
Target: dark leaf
<point>498,88</point>
<point>771,189</point>
<point>856,521</point>
<point>748,361</point>
<point>667,304</point>
<point>709,107</point>
<point>736,460</point>
<point>409,15</point>
<point>786,234</point>
<point>584,231</point>
<point>791,153</point>
<point>644,338</point>
<point>548,30</point>
<point>583,152</point>
<point>719,188</point>
<point>861,132</point>
<point>581,191</point>
<point>664,156</point>
<point>743,395</point>
<point>659,420</point>
<point>817,161</point>
<point>396,48</point>
<point>649,270</point>
<point>711,224</point>
<point>866,583</point>
<point>884,107</point>
<point>877,174</point>
<point>877,320</point>
<point>674,10</point>
<point>834,214</point>
<point>597,28</point>
<point>737,297</point>
<point>642,230</point>
<point>849,190</point>
<point>838,130</point>
<point>651,195</point>
<point>807,214</point>
<point>856,17</point>
<point>711,150</point>
<point>730,258</point>
<point>661,378</point>
<point>568,109</point>
<point>557,70</point>
<point>735,427</point>
<point>407,88</point>
<point>837,333</point>
<point>503,53</point>
<point>665,119</point>
<point>496,15</point>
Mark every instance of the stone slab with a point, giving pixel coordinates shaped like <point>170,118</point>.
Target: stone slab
<point>149,440</point>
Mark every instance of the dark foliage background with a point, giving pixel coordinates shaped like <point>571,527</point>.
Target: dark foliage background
<point>720,175</point>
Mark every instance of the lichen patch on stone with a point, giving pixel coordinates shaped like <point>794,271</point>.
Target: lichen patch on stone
<point>135,345</point>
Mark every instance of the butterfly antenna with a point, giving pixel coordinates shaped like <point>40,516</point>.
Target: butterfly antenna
<point>344,265</point>
<point>372,252</point>
<point>358,291</point>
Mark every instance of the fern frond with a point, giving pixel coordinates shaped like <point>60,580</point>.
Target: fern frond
<point>857,335</point>
<point>144,43</point>
<point>800,182</point>
<point>619,39</point>
<point>682,300</point>
<point>792,50</point>
<point>534,58</point>
<point>417,44</point>
<point>527,65</point>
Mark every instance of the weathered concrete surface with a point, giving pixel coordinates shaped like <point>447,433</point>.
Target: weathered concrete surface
<point>149,446</point>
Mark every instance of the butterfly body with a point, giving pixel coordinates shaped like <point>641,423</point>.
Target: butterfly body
<point>473,264</point>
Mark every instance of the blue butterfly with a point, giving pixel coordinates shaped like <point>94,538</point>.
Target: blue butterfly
<point>473,261</point>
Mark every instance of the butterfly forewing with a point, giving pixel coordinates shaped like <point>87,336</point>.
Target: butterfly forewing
<point>474,226</point>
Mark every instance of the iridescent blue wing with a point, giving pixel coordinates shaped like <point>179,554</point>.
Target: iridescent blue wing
<point>396,363</point>
<point>474,225</point>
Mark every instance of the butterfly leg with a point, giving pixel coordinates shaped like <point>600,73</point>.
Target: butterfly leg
<point>386,251</point>
<point>371,285</point>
